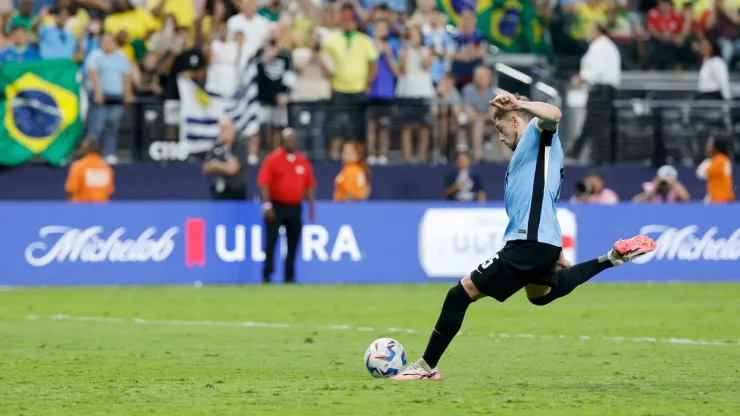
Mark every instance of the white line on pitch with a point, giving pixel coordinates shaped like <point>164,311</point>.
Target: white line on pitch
<point>141,321</point>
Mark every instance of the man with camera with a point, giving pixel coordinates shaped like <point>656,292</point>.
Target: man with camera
<point>665,187</point>
<point>226,164</point>
<point>591,190</point>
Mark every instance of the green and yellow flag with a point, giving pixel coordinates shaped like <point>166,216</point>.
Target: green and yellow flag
<point>40,111</point>
<point>510,25</point>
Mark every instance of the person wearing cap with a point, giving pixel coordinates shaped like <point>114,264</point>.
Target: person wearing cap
<point>601,71</point>
<point>19,49</point>
<point>664,188</point>
<point>285,179</point>
<point>354,64</point>
<point>226,165</point>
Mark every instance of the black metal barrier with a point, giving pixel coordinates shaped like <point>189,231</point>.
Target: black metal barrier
<point>648,131</point>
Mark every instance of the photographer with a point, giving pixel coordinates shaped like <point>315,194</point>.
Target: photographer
<point>664,188</point>
<point>226,164</point>
<point>591,190</point>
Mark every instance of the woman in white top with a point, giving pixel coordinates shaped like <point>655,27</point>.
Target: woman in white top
<point>415,89</point>
<point>714,79</point>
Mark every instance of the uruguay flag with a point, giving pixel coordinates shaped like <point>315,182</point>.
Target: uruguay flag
<point>200,111</point>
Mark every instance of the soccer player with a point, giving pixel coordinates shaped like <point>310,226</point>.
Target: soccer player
<point>532,257</point>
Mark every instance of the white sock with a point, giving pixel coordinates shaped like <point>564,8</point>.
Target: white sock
<point>423,364</point>
<point>613,259</point>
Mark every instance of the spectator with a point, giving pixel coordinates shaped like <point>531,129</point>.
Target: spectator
<point>469,49</point>
<point>721,23</point>
<point>621,32</point>
<point>586,13</point>
<point>134,22</point>
<point>440,41</point>
<point>601,71</point>
<point>275,79</point>
<point>426,16</point>
<point>145,77</point>
<point>90,179</point>
<point>271,12</point>
<point>78,19</point>
<point>415,86</point>
<point>304,22</point>
<point>353,182</point>
<point>665,28</point>
<point>381,107</point>
<point>224,61</point>
<point>110,75</point>
<point>476,98</point>
<point>309,98</point>
<point>226,164</point>
<point>285,179</point>
<point>714,78</point>
<point>446,108</point>
<point>58,42</point>
<point>182,11</point>
<point>597,192</point>
<point>462,185</point>
<point>382,13</point>
<point>26,18</point>
<point>179,62</point>
<point>664,188</point>
<point>717,171</point>
<point>19,49</point>
<point>257,30</point>
<point>355,65</point>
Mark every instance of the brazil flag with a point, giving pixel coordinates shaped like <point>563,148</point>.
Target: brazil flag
<point>40,111</point>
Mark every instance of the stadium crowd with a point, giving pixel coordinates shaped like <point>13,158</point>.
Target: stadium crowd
<point>402,71</point>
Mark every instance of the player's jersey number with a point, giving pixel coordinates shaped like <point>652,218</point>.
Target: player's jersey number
<point>488,262</point>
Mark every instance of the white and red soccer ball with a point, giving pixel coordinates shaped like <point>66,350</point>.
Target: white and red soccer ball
<point>385,357</point>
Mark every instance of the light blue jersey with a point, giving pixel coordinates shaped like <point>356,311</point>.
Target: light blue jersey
<point>532,187</point>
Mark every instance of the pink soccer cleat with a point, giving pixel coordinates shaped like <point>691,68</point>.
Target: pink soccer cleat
<point>418,371</point>
<point>630,249</point>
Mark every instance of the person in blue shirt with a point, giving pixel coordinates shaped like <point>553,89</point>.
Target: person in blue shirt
<point>109,71</point>
<point>19,50</point>
<point>380,110</point>
<point>56,42</point>
<point>532,257</point>
<point>469,47</point>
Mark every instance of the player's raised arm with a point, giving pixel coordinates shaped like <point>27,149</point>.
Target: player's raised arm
<point>549,116</point>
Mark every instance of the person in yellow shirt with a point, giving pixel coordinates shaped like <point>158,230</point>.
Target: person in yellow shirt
<point>353,66</point>
<point>586,13</point>
<point>182,10</point>
<point>353,182</point>
<point>136,22</point>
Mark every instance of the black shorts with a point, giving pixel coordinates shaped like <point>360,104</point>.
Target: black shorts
<point>383,111</point>
<point>518,264</point>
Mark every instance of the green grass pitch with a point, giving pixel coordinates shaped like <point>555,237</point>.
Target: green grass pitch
<point>606,350</point>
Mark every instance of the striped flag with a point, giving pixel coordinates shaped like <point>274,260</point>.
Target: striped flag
<point>200,112</point>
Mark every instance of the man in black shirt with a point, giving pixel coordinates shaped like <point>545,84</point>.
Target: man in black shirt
<point>275,79</point>
<point>182,62</point>
<point>226,164</point>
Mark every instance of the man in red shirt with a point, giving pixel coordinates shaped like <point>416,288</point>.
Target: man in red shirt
<point>284,179</point>
<point>665,27</point>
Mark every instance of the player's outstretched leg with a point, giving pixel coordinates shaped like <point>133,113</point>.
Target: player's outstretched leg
<point>448,325</point>
<point>571,277</point>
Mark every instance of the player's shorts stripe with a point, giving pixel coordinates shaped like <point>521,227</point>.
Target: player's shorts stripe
<point>538,189</point>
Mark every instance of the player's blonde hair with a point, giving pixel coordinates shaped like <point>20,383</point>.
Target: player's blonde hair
<point>498,113</point>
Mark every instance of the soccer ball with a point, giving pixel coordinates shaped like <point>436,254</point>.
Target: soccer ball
<point>385,357</point>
